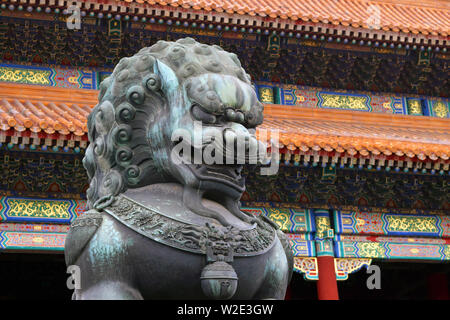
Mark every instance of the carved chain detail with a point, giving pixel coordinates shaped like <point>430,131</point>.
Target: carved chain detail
<point>219,243</point>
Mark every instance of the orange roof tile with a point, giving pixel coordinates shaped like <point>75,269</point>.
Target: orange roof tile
<point>426,16</point>
<point>65,111</point>
<point>45,109</point>
<point>359,132</point>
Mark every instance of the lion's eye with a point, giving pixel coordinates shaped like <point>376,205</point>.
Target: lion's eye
<point>199,114</point>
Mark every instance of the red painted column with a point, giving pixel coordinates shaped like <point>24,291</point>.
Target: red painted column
<point>327,283</point>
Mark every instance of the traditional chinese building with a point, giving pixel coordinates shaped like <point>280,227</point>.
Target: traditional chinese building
<point>358,90</point>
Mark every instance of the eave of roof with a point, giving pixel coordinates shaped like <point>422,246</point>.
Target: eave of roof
<point>427,17</point>
<point>359,132</point>
<point>47,109</point>
<point>64,111</point>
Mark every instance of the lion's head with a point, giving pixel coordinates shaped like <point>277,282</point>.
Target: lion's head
<point>165,87</point>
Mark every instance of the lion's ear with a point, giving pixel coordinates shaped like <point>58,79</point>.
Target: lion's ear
<point>169,80</point>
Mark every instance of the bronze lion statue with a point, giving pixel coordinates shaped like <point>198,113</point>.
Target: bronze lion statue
<point>161,225</point>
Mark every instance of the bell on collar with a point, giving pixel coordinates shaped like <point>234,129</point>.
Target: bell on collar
<point>219,281</point>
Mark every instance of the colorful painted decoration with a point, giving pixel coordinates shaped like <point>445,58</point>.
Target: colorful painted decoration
<point>358,222</point>
<point>40,210</point>
<point>323,226</point>
<point>343,101</point>
<point>309,97</point>
<point>273,44</point>
<point>415,107</point>
<point>34,227</point>
<point>266,94</point>
<point>25,75</point>
<point>45,76</point>
<point>308,266</point>
<point>302,245</point>
<point>440,108</point>
<point>288,219</point>
<point>344,267</point>
<point>31,240</point>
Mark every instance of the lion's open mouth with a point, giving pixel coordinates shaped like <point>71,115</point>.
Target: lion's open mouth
<point>219,154</point>
<point>229,175</point>
<point>225,172</point>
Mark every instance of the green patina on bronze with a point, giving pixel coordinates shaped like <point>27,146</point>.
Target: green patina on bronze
<point>163,228</point>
